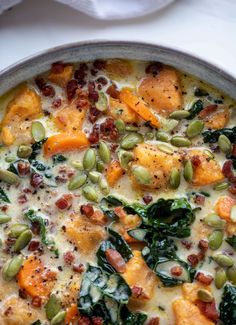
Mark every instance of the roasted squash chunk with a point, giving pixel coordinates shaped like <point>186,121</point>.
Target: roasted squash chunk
<point>224,206</point>
<point>84,234</point>
<point>159,164</point>
<point>207,171</point>
<point>119,110</point>
<point>215,116</point>
<point>118,69</point>
<point>186,313</point>
<point>139,277</point>
<point>162,92</point>
<point>190,290</point>
<point>62,77</point>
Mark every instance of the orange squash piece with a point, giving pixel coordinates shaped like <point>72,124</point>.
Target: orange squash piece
<point>62,78</point>
<point>71,314</point>
<point>114,173</point>
<point>224,206</point>
<point>119,110</point>
<point>64,142</point>
<point>190,290</point>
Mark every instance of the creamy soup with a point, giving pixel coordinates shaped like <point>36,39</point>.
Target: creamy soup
<point>117,198</point>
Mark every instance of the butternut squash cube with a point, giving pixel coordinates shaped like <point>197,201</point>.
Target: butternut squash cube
<point>61,78</point>
<point>119,110</point>
<point>190,290</point>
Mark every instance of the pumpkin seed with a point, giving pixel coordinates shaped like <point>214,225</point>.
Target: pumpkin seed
<point>215,239</point>
<point>10,159</point>
<point>141,175</point>
<point>180,141</point>
<point>175,178</point>
<point>220,278</point>
<point>77,164</point>
<point>103,185</point>
<point>9,177</point>
<point>204,295</point>
<point>231,274</point>
<point>94,176</point>
<point>162,136</point>
<point>233,214</point>
<point>90,193</point>
<point>22,240</point>
<point>130,140</point>
<point>214,221</point>
<point>101,104</point>
<point>209,153</point>
<point>124,158</point>
<point>77,181</point>
<point>120,125</point>
<point>131,128</point>
<point>104,152</point>
<point>89,159</point>
<point>17,229</point>
<point>52,307</point>
<point>149,136</point>
<point>4,218</point>
<point>12,267</point>
<point>188,171</point>
<point>179,115</point>
<point>169,125</point>
<point>38,131</point>
<point>100,166</point>
<point>221,186</point>
<point>165,148</point>
<point>58,318</point>
<point>194,128</point>
<point>223,260</point>
<point>24,151</point>
<point>224,144</point>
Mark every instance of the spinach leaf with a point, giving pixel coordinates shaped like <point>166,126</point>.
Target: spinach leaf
<point>212,136</point>
<point>196,108</point>
<point>131,318</point>
<point>33,217</point>
<point>116,242</point>
<point>228,305</point>
<point>36,149</point>
<point>199,92</point>
<point>57,159</point>
<point>3,196</point>
<point>232,241</point>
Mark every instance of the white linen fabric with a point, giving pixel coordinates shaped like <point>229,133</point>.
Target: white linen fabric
<point>106,9</point>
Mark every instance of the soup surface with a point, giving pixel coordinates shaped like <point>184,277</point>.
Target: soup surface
<point>117,198</point>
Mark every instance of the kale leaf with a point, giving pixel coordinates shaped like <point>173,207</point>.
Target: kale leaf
<point>36,149</point>
<point>228,305</point>
<point>3,196</point>
<point>232,241</point>
<point>33,217</point>
<point>57,159</point>
<point>196,108</point>
<point>199,92</point>
<point>131,318</point>
<point>116,242</point>
<point>212,136</point>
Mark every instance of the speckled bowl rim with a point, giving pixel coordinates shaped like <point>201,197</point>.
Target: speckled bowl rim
<point>104,49</point>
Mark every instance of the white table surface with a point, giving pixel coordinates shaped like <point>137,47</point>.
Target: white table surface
<point>203,27</point>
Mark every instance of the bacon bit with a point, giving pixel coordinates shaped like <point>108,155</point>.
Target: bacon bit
<point>176,270</point>
<point>48,91</point>
<point>116,260</point>
<point>154,321</point>
<point>78,268</point>
<point>108,129</point>
<point>23,168</point>
<point>113,91</point>
<point>64,202</point>
<point>207,111</point>
<point>154,68</point>
<point>36,180</point>
<point>40,82</point>
<point>138,292</point>
<point>71,88</point>
<point>22,199</point>
<point>203,244</point>
<point>27,190</point>
<point>22,294</point>
<point>101,80</point>
<point>208,309</point>
<point>84,320</point>
<point>205,279</point>
<point>99,64</point>
<point>36,301</point>
<point>58,67</point>
<point>232,189</point>
<point>8,311</point>
<point>199,199</point>
<point>196,161</point>
<point>98,218</point>
<point>56,103</point>
<point>87,210</point>
<point>92,93</point>
<point>193,259</point>
<point>4,208</point>
<point>68,257</point>
<point>147,199</point>
<point>187,244</point>
<point>97,320</point>
<point>94,136</point>
<point>35,227</point>
<point>94,114</point>
<point>227,169</point>
<point>33,245</point>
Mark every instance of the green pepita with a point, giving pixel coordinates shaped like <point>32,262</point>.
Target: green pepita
<point>58,318</point>
<point>214,221</point>
<point>194,128</point>
<point>162,136</point>
<point>103,185</point>
<point>77,164</point>
<point>223,260</point>
<point>24,151</point>
<point>52,307</point>
<point>209,154</point>
<point>89,159</point>
<point>125,157</point>
<point>179,141</point>
<point>77,181</point>
<point>22,240</point>
<point>90,193</point>
<point>175,178</point>
<point>17,229</point>
<point>130,140</point>
<point>101,104</point>
<point>215,239</point>
<point>131,128</point>
<point>220,278</point>
<point>141,175</point>
<point>188,171</point>
<point>100,166</point>
<point>9,177</point>
<point>224,144</point>
<point>94,176</point>
<point>221,186</point>
<point>104,152</point>
<point>233,214</point>
<point>10,159</point>
<point>179,115</point>
<point>204,295</point>
<point>4,218</point>
<point>149,136</point>
<point>120,125</point>
<point>165,148</point>
<point>169,125</point>
<point>38,131</point>
<point>231,274</point>
<point>12,267</point>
